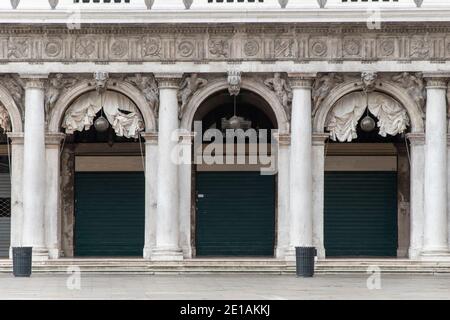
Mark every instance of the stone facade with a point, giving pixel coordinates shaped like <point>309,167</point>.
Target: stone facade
<point>167,71</point>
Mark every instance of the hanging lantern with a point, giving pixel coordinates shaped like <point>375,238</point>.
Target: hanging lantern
<point>367,124</point>
<point>101,124</point>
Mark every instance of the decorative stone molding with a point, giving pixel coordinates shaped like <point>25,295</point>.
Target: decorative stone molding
<point>416,138</point>
<point>149,88</point>
<point>414,85</point>
<point>283,139</point>
<point>186,137</point>
<point>54,138</point>
<point>16,137</point>
<point>188,87</point>
<point>318,139</point>
<point>282,90</point>
<point>150,137</point>
<point>322,87</point>
<point>196,43</point>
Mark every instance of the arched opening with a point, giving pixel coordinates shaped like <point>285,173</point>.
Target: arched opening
<point>235,211</point>
<point>103,183</point>
<point>5,185</point>
<point>367,177</point>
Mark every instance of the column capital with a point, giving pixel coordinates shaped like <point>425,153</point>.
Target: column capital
<point>16,137</point>
<point>283,139</point>
<point>34,81</point>
<point>168,80</point>
<point>54,138</point>
<point>302,80</point>
<point>416,139</point>
<point>150,137</point>
<point>318,139</point>
<point>436,80</point>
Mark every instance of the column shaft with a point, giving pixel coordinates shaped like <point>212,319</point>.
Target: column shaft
<point>34,170</point>
<point>151,169</point>
<point>301,221</point>
<point>167,222</point>
<point>52,199</point>
<point>436,228</point>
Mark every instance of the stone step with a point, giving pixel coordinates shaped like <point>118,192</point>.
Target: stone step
<point>207,266</point>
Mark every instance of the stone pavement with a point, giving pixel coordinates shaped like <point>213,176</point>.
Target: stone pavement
<point>224,287</point>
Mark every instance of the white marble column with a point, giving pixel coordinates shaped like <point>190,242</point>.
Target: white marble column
<point>435,227</point>
<point>52,195</point>
<point>417,155</point>
<point>167,222</point>
<point>16,189</point>
<point>318,170</point>
<point>301,196</point>
<point>284,145</point>
<point>185,176</point>
<point>34,169</point>
<point>151,170</point>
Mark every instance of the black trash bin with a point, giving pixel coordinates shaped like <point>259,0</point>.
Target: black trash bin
<point>22,261</point>
<point>305,261</point>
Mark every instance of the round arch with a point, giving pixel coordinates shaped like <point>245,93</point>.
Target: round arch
<point>414,111</point>
<point>13,111</point>
<point>248,84</point>
<point>125,88</point>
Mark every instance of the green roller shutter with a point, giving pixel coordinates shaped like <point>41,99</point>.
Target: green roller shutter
<point>110,214</point>
<point>361,214</point>
<point>235,214</point>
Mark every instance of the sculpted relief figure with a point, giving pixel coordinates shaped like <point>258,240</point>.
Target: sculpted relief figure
<point>414,85</point>
<point>369,80</point>
<point>5,124</point>
<point>149,88</point>
<point>56,86</point>
<point>188,87</point>
<point>322,87</point>
<point>282,89</point>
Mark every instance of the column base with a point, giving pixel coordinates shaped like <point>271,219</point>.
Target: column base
<point>40,254</point>
<point>147,253</point>
<point>161,254</point>
<point>435,254</point>
<point>54,253</point>
<point>414,253</point>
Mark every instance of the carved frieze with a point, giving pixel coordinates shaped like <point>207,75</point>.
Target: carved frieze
<point>200,43</point>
